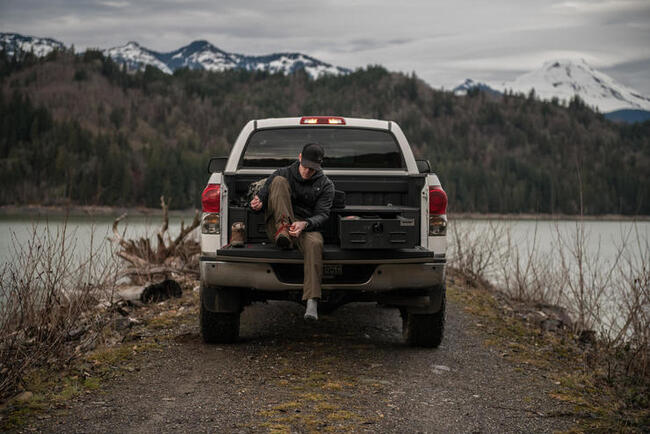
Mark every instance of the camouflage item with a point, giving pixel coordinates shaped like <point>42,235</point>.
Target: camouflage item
<point>254,188</point>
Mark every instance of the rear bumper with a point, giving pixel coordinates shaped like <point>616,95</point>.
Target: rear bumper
<point>261,276</point>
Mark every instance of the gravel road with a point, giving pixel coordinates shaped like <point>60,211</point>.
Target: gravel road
<point>349,371</point>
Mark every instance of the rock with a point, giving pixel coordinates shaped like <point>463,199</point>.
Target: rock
<point>161,291</point>
<point>88,343</point>
<point>556,312</point>
<point>121,323</point>
<point>124,280</point>
<point>24,397</point>
<point>121,308</point>
<point>75,334</point>
<point>552,325</point>
<point>152,293</point>
<point>587,336</point>
<point>103,305</point>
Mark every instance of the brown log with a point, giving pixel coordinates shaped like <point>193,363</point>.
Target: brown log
<point>156,269</point>
<point>161,252</point>
<point>116,235</point>
<point>145,261</point>
<point>185,231</point>
<point>135,260</point>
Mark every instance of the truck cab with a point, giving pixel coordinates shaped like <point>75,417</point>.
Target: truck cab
<point>385,240</point>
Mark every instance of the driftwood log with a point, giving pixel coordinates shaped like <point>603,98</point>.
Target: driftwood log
<point>171,257</point>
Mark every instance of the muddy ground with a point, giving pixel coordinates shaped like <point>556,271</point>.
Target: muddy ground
<point>350,371</point>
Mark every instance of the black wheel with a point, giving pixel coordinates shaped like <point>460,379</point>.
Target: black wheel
<point>425,330</point>
<point>218,328</point>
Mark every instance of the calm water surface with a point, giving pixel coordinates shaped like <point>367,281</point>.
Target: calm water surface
<point>603,238</point>
<point>81,232</point>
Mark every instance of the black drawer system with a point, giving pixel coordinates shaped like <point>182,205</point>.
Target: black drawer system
<point>375,232</point>
<point>398,229</point>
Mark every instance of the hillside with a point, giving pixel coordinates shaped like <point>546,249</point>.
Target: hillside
<point>78,129</point>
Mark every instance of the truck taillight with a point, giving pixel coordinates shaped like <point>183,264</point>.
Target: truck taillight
<point>211,201</point>
<point>437,211</point>
<point>211,198</point>
<point>437,201</point>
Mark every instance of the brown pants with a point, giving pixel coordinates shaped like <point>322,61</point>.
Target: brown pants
<point>310,244</point>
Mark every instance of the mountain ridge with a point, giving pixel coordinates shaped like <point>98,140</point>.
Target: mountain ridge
<point>565,78</point>
<point>198,54</point>
<point>560,79</point>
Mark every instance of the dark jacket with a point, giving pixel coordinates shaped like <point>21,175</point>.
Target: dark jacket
<point>311,198</point>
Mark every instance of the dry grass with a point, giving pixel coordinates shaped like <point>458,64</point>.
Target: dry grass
<point>608,300</point>
<point>47,294</point>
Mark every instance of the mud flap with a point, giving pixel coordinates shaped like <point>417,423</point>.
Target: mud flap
<point>423,304</point>
<point>221,300</point>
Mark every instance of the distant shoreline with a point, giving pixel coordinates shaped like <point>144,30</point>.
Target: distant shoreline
<point>546,217</point>
<point>80,211</point>
<point>108,211</point>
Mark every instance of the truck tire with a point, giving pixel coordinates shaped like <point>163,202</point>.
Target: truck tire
<point>218,328</point>
<point>425,330</point>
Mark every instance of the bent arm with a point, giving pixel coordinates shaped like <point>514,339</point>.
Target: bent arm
<point>322,209</point>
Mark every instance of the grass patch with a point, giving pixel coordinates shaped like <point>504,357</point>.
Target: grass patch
<point>596,402</point>
<point>53,388</point>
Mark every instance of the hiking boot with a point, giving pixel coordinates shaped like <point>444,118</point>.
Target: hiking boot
<point>311,313</point>
<point>238,234</point>
<point>282,237</point>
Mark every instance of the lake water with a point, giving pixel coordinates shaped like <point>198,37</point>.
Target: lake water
<point>81,231</point>
<point>605,242</point>
<point>603,238</point>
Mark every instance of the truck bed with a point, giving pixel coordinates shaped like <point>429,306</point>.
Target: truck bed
<point>381,196</point>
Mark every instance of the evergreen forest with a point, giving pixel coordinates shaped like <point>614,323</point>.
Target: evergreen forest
<point>79,129</point>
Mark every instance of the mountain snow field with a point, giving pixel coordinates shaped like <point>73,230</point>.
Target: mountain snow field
<point>561,79</point>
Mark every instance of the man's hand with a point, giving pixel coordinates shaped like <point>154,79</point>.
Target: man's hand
<point>256,203</point>
<point>296,228</point>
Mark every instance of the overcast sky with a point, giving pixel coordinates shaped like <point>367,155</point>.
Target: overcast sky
<point>444,42</point>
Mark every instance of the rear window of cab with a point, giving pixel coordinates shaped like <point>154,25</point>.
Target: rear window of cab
<point>345,148</point>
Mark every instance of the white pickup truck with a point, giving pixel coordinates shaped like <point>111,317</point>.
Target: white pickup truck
<point>385,242</point>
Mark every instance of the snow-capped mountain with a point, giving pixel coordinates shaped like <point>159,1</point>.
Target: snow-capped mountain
<point>197,55</point>
<point>291,62</point>
<point>204,55</point>
<point>13,42</point>
<point>470,84</point>
<point>135,57</point>
<point>565,78</point>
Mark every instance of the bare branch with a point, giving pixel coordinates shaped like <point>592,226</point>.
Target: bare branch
<point>186,231</point>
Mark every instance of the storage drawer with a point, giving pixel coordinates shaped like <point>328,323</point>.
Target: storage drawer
<point>378,233</point>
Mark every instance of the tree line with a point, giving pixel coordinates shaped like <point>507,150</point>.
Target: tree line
<point>81,129</point>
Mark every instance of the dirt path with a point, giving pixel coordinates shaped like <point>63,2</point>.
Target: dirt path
<point>348,372</point>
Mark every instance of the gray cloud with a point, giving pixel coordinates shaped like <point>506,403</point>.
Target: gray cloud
<point>442,42</point>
